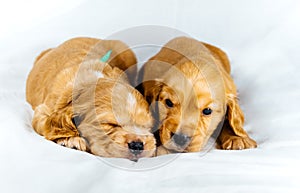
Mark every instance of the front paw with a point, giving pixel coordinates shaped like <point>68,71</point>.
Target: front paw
<point>238,143</point>
<point>161,150</point>
<point>73,142</point>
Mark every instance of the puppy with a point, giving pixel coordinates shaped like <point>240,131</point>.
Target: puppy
<point>192,97</point>
<point>83,103</point>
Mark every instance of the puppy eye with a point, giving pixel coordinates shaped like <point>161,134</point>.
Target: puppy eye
<point>110,124</point>
<point>207,111</point>
<point>169,103</point>
<point>114,125</point>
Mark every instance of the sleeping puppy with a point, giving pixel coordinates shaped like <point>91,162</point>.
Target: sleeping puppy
<point>84,103</point>
<point>192,96</point>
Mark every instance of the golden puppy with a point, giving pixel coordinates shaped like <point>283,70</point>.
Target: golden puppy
<point>83,103</point>
<point>191,93</point>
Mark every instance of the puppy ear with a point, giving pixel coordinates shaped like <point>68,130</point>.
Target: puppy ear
<point>235,116</point>
<point>56,122</point>
<point>152,90</point>
<point>53,125</point>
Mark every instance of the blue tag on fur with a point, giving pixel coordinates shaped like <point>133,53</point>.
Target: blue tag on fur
<point>106,56</point>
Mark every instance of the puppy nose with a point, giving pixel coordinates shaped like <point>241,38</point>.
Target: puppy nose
<point>136,147</point>
<point>180,139</point>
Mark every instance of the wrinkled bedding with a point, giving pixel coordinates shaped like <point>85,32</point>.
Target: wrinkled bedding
<point>262,40</point>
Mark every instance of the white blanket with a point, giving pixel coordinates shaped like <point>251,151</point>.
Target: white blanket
<point>262,41</point>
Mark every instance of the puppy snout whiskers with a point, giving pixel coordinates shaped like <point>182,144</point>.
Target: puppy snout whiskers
<point>136,147</point>
<point>180,139</point>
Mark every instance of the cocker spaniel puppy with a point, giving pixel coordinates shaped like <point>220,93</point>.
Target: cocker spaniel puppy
<point>192,97</point>
<point>84,103</point>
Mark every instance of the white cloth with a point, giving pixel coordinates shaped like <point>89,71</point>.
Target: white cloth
<point>262,41</point>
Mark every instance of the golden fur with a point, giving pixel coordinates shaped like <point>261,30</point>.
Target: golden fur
<point>80,102</point>
<point>186,79</point>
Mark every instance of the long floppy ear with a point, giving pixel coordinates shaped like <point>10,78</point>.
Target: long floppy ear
<point>151,90</point>
<point>56,122</point>
<point>235,115</point>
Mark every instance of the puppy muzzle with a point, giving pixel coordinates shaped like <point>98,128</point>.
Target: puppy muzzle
<point>136,147</point>
<point>180,139</point>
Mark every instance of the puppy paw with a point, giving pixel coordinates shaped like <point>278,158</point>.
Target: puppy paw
<point>238,143</point>
<point>73,142</point>
<point>161,150</point>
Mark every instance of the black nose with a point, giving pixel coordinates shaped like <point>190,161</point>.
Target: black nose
<point>136,147</point>
<point>180,139</point>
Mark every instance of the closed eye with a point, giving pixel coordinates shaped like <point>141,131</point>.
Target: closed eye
<point>113,125</point>
<point>110,124</point>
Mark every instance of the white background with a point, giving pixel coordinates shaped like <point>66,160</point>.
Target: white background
<point>262,40</point>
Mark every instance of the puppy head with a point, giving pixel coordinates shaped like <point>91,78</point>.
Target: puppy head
<point>189,104</point>
<point>115,118</point>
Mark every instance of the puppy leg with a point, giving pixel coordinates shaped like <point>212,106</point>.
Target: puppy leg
<point>161,150</point>
<point>73,142</point>
<point>230,141</point>
<point>58,127</point>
